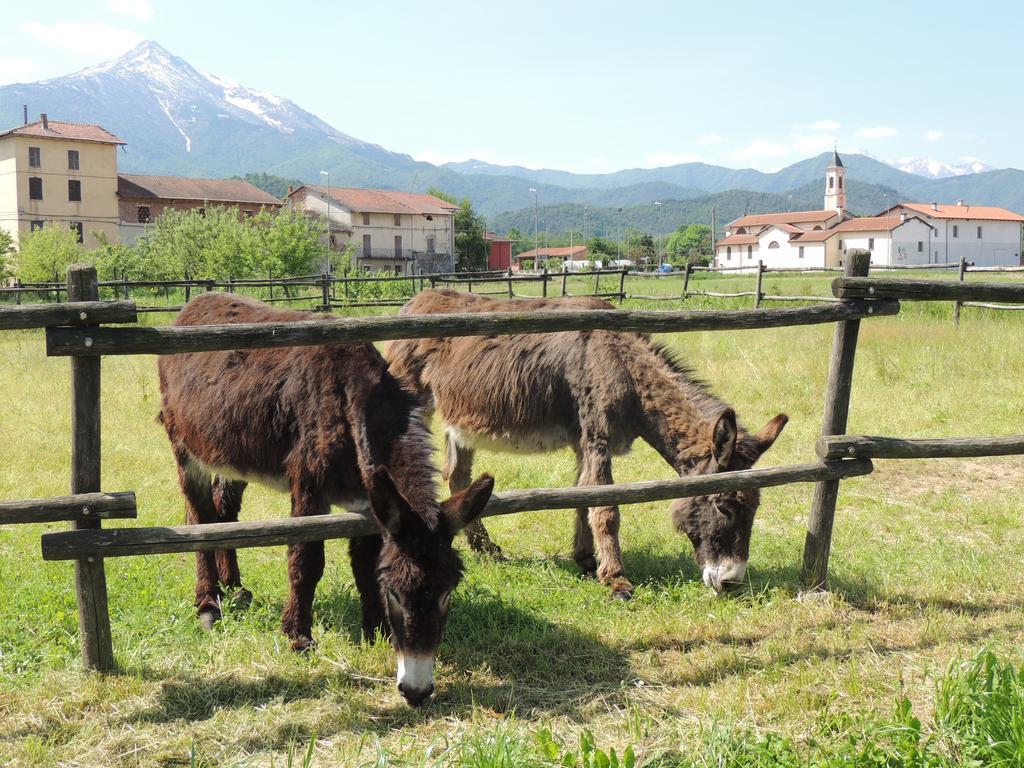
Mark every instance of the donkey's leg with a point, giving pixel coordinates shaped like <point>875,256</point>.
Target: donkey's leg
<point>458,472</point>
<point>227,498</point>
<point>199,509</point>
<point>604,524</point>
<point>583,538</point>
<point>305,569</point>
<point>364,552</point>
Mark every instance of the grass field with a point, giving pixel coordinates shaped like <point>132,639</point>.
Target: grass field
<point>540,667</point>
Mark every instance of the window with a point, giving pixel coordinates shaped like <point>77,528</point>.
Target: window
<point>741,231</point>
<point>750,251</point>
<point>831,182</point>
<point>772,244</point>
<point>920,246</point>
<point>35,224</point>
<point>398,219</point>
<point>430,245</point>
<point>871,243</point>
<point>956,231</point>
<point>75,190</point>
<point>34,160</point>
<point>979,233</point>
<point>76,227</point>
<point>728,253</point>
<point>801,254</point>
<point>366,219</point>
<point>35,188</point>
<point>72,159</point>
<point>143,214</point>
<point>840,182</point>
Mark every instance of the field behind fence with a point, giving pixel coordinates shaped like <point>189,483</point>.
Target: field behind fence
<point>916,568</point>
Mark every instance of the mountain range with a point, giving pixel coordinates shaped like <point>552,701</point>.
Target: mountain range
<point>179,120</point>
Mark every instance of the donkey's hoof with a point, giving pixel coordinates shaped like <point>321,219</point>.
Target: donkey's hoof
<point>240,600</point>
<point>208,617</point>
<point>621,589</point>
<point>303,644</point>
<point>588,564</point>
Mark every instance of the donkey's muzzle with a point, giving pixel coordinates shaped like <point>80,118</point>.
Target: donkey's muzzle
<point>415,698</point>
<point>725,576</point>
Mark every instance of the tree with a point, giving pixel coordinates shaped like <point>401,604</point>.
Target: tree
<point>46,254</point>
<point>688,245</point>
<point>639,247</point>
<point>470,246</point>
<point>601,247</point>
<point>6,255</point>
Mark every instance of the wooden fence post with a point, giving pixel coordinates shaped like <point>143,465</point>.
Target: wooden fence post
<point>956,304</point>
<point>837,408</point>
<point>188,289</point>
<point>686,279</point>
<point>565,277</point>
<point>597,281</point>
<point>622,286</point>
<point>124,283</point>
<point>510,282</point>
<point>270,282</point>
<point>325,289</point>
<point>757,285</point>
<point>90,579</point>
<point>544,283</point>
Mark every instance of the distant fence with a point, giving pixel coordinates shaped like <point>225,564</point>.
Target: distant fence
<point>326,292</point>
<point>74,329</point>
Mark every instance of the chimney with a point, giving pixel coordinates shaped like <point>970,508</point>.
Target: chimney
<point>24,112</point>
<point>935,206</point>
<point>44,121</point>
<point>903,217</point>
<point>960,203</point>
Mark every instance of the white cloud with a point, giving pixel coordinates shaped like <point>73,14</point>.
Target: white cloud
<point>93,38</point>
<point>711,138</point>
<point>15,70</point>
<point>878,132</point>
<point>933,135</point>
<point>661,159</point>
<point>759,148</point>
<point>138,9</point>
<point>824,125</point>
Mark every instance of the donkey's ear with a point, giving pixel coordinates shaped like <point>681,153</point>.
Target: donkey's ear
<point>466,505</point>
<point>770,432</point>
<point>388,505</point>
<point>723,438</point>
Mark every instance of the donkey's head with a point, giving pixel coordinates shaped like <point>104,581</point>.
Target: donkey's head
<point>720,525</point>
<point>417,572</point>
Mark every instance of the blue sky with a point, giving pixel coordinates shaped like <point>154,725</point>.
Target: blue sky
<point>588,86</point>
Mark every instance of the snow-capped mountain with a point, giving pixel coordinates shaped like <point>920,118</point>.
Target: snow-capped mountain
<point>179,119</point>
<point>936,169</point>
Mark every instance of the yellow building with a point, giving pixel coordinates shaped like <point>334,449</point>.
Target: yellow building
<point>57,173</point>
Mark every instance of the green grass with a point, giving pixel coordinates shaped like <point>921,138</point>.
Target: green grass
<point>925,570</point>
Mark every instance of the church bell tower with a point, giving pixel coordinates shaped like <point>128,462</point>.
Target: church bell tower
<point>835,185</point>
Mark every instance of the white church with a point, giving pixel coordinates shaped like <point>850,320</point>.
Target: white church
<point>907,233</point>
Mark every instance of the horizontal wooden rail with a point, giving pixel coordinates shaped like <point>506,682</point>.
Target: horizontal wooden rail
<point>78,508</point>
<point>170,340</point>
<point>873,447</point>
<point>925,290</point>
<point>77,313</point>
<point>119,542</point>
<point>984,305</point>
<point>993,269</point>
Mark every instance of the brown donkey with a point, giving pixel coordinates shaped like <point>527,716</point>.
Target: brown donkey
<point>597,392</point>
<point>330,425</point>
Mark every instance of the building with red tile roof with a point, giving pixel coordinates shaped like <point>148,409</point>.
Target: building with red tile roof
<point>907,233</point>
<point>400,231</point>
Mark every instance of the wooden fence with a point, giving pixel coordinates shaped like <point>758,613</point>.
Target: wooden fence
<point>74,329</point>
<point>330,292</point>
